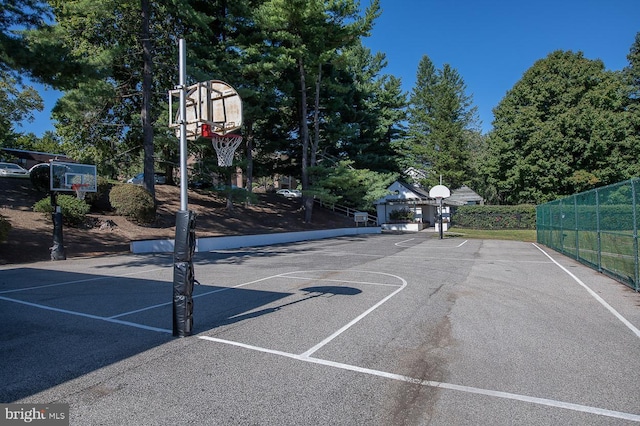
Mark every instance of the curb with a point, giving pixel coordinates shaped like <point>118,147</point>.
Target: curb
<point>231,242</point>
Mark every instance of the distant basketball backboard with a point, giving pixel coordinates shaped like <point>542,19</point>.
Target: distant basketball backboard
<point>439,191</point>
<point>212,102</point>
<point>68,177</point>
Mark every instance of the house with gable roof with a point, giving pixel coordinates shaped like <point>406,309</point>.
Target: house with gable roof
<point>404,196</point>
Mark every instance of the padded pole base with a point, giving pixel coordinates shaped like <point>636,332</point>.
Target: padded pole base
<point>57,250</point>
<point>183,275</point>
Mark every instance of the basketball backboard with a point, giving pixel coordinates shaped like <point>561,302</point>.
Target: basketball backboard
<point>439,191</point>
<point>68,177</point>
<point>212,102</point>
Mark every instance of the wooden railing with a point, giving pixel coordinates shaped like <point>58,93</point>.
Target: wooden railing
<point>370,220</point>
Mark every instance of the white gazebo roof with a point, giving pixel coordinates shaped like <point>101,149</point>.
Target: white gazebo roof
<point>401,192</point>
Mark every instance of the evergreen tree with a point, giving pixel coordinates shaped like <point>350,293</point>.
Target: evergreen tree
<point>363,111</point>
<point>107,115</point>
<point>441,119</point>
<point>17,101</point>
<point>15,17</point>
<point>302,35</point>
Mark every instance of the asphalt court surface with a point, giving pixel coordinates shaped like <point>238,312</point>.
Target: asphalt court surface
<point>376,329</point>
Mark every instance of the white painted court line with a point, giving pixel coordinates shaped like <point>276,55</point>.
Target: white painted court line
<point>630,326</point>
<point>463,259</point>
<point>440,385</point>
<point>439,247</point>
<point>218,290</point>
<point>337,281</point>
<point>100,278</point>
<point>359,317</point>
<point>81,314</point>
<point>336,253</point>
<point>405,241</point>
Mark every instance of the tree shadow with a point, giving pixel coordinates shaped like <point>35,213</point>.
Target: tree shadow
<point>61,325</point>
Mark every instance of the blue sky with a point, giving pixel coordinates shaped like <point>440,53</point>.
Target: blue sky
<point>490,42</point>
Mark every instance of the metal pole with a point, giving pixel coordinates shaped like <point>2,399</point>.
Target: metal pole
<point>185,241</point>
<point>57,250</point>
<point>441,231</point>
<point>183,124</point>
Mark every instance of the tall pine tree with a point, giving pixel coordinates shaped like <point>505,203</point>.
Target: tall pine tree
<point>441,117</point>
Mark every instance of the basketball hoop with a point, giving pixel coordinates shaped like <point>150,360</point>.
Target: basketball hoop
<point>79,189</point>
<point>225,146</point>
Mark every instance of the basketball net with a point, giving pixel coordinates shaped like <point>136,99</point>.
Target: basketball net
<point>79,190</point>
<point>225,146</point>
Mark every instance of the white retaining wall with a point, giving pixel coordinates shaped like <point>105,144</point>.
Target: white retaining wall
<point>229,242</point>
<point>413,227</point>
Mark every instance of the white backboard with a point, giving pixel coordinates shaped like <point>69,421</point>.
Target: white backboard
<point>212,102</point>
<point>439,191</point>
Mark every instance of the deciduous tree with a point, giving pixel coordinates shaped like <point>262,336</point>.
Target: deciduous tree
<point>561,129</point>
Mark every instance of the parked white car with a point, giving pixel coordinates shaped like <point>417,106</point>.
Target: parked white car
<point>13,170</point>
<point>289,193</point>
<point>139,178</point>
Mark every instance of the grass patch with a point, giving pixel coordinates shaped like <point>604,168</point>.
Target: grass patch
<point>528,235</point>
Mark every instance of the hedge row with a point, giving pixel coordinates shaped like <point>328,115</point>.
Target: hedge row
<point>496,217</point>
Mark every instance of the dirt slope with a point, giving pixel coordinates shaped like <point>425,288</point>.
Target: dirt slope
<point>31,235</point>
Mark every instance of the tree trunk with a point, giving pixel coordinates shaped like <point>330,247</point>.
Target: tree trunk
<point>316,119</point>
<point>147,79</point>
<point>307,201</point>
<point>249,133</point>
<point>230,192</point>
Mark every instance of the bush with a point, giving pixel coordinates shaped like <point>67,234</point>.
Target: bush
<point>100,200</point>
<point>496,217</point>
<point>134,202</point>
<point>401,215</point>
<point>237,195</point>
<point>74,211</point>
<point>5,227</point>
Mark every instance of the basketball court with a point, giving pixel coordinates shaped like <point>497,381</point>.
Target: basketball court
<point>371,329</point>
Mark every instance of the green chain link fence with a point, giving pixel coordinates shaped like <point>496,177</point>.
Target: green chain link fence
<point>597,227</point>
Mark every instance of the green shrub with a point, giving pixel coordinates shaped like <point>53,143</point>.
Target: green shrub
<point>5,227</point>
<point>134,202</point>
<point>100,199</point>
<point>74,211</point>
<point>496,217</point>
<point>237,195</point>
<point>401,215</point>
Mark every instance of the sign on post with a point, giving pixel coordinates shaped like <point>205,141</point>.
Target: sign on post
<point>361,217</point>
